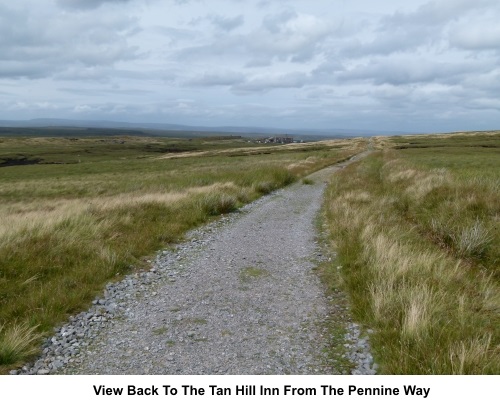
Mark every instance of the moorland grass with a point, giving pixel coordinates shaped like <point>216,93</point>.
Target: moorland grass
<point>418,239</point>
<point>68,229</point>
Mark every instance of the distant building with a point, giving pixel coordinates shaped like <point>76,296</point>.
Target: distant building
<point>278,139</point>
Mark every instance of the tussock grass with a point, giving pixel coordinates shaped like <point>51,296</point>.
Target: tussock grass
<point>466,355</point>
<point>68,229</point>
<point>16,342</point>
<point>472,240</point>
<point>418,243</point>
<point>218,203</point>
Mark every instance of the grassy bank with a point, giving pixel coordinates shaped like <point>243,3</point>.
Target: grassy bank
<point>416,226</point>
<point>92,209</point>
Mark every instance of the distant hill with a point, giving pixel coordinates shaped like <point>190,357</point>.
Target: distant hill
<point>253,131</point>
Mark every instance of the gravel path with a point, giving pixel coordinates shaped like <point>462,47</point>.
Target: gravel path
<point>239,297</point>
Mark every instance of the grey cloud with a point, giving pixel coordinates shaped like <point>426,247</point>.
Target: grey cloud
<point>264,3</point>
<point>288,36</point>
<point>103,90</point>
<point>482,85</point>
<point>50,45</point>
<point>400,39</point>
<point>408,71</point>
<point>487,103</point>
<point>87,4</point>
<point>217,79</point>
<point>259,61</point>
<point>13,30</point>
<point>424,27</point>
<point>80,72</point>
<point>220,22</point>
<point>326,70</point>
<point>175,35</point>
<point>436,12</point>
<point>16,70</point>
<point>476,38</point>
<point>270,82</point>
<point>227,23</point>
<point>274,23</point>
<point>216,50</point>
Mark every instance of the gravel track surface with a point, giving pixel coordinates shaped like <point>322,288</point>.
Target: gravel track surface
<point>239,297</point>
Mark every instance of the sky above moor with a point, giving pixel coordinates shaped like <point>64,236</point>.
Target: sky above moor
<point>415,66</point>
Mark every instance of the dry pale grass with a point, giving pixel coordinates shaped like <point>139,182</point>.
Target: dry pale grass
<point>229,151</point>
<point>357,196</point>
<point>351,145</point>
<point>424,183</point>
<point>22,218</point>
<point>432,306</point>
<point>381,298</point>
<point>402,175</point>
<point>418,305</point>
<point>420,182</point>
<point>472,240</point>
<point>305,163</point>
<point>16,342</point>
<point>465,356</point>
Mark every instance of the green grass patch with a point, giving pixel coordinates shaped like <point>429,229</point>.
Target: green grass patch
<point>249,274</point>
<point>160,331</point>
<point>198,321</point>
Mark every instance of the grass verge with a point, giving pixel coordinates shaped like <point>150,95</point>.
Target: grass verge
<point>418,240</point>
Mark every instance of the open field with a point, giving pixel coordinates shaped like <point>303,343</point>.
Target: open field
<point>416,226</point>
<point>92,209</point>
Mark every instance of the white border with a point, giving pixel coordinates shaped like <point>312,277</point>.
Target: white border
<point>66,390</point>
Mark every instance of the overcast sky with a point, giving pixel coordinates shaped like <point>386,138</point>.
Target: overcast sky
<point>415,65</point>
